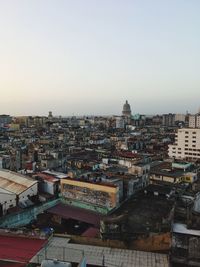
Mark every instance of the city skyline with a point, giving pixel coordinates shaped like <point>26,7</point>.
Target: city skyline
<point>88,57</point>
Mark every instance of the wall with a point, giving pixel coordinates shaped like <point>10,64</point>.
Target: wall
<point>6,200</point>
<point>24,217</point>
<point>160,242</point>
<point>48,187</point>
<point>31,191</point>
<point>95,194</point>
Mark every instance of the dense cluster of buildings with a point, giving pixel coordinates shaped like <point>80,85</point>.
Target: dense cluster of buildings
<point>131,180</point>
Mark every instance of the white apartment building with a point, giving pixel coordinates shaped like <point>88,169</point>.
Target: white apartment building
<point>194,121</point>
<point>187,144</point>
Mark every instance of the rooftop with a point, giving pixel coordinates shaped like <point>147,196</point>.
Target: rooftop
<point>14,182</point>
<point>179,228</point>
<point>70,212</point>
<point>19,249</point>
<point>46,177</point>
<point>60,248</point>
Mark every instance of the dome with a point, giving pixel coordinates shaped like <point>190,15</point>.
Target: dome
<point>126,109</point>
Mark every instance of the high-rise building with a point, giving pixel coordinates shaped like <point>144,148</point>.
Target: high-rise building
<point>5,119</point>
<point>194,121</point>
<point>187,144</point>
<point>126,110</point>
<point>168,119</point>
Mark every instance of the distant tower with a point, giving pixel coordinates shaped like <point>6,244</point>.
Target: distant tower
<point>126,110</point>
<point>50,114</point>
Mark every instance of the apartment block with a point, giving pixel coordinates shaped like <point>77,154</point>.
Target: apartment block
<point>187,144</point>
<point>194,121</point>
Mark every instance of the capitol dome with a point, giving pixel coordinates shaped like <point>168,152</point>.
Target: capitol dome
<point>126,109</point>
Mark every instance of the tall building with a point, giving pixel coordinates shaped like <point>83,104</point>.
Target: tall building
<point>194,121</point>
<point>187,144</point>
<point>126,110</point>
<point>5,119</point>
<point>168,119</point>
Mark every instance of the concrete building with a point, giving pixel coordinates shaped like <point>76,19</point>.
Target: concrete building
<point>99,194</point>
<point>15,189</point>
<point>120,123</point>
<point>185,245</point>
<point>194,121</point>
<point>5,119</point>
<point>168,120</point>
<point>47,183</point>
<point>187,145</point>
<point>170,173</point>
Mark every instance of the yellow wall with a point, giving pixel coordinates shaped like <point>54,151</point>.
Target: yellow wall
<point>92,186</point>
<point>14,126</point>
<point>106,196</point>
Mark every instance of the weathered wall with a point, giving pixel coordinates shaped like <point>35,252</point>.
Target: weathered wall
<point>161,242</point>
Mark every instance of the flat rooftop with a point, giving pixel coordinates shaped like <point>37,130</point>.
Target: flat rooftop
<point>144,213</point>
<point>61,249</point>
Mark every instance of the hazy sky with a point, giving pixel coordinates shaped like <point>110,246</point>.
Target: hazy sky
<point>77,57</point>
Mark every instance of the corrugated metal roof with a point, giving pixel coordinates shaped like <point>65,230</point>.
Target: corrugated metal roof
<point>19,249</point>
<point>47,177</point>
<point>14,182</point>
<point>70,212</point>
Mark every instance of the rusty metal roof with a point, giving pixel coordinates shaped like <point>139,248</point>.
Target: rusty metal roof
<point>15,182</point>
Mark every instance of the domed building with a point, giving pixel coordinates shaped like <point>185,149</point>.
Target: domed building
<point>126,110</point>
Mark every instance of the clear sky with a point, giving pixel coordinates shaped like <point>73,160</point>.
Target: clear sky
<point>77,57</point>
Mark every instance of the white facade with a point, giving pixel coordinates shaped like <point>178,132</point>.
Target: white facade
<point>7,200</point>
<point>187,144</point>
<point>15,189</point>
<point>194,121</point>
<point>29,192</point>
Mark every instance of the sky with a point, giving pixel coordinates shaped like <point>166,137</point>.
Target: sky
<point>87,57</point>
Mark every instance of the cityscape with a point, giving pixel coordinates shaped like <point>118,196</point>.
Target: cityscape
<point>99,133</point>
<point>77,186</point>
